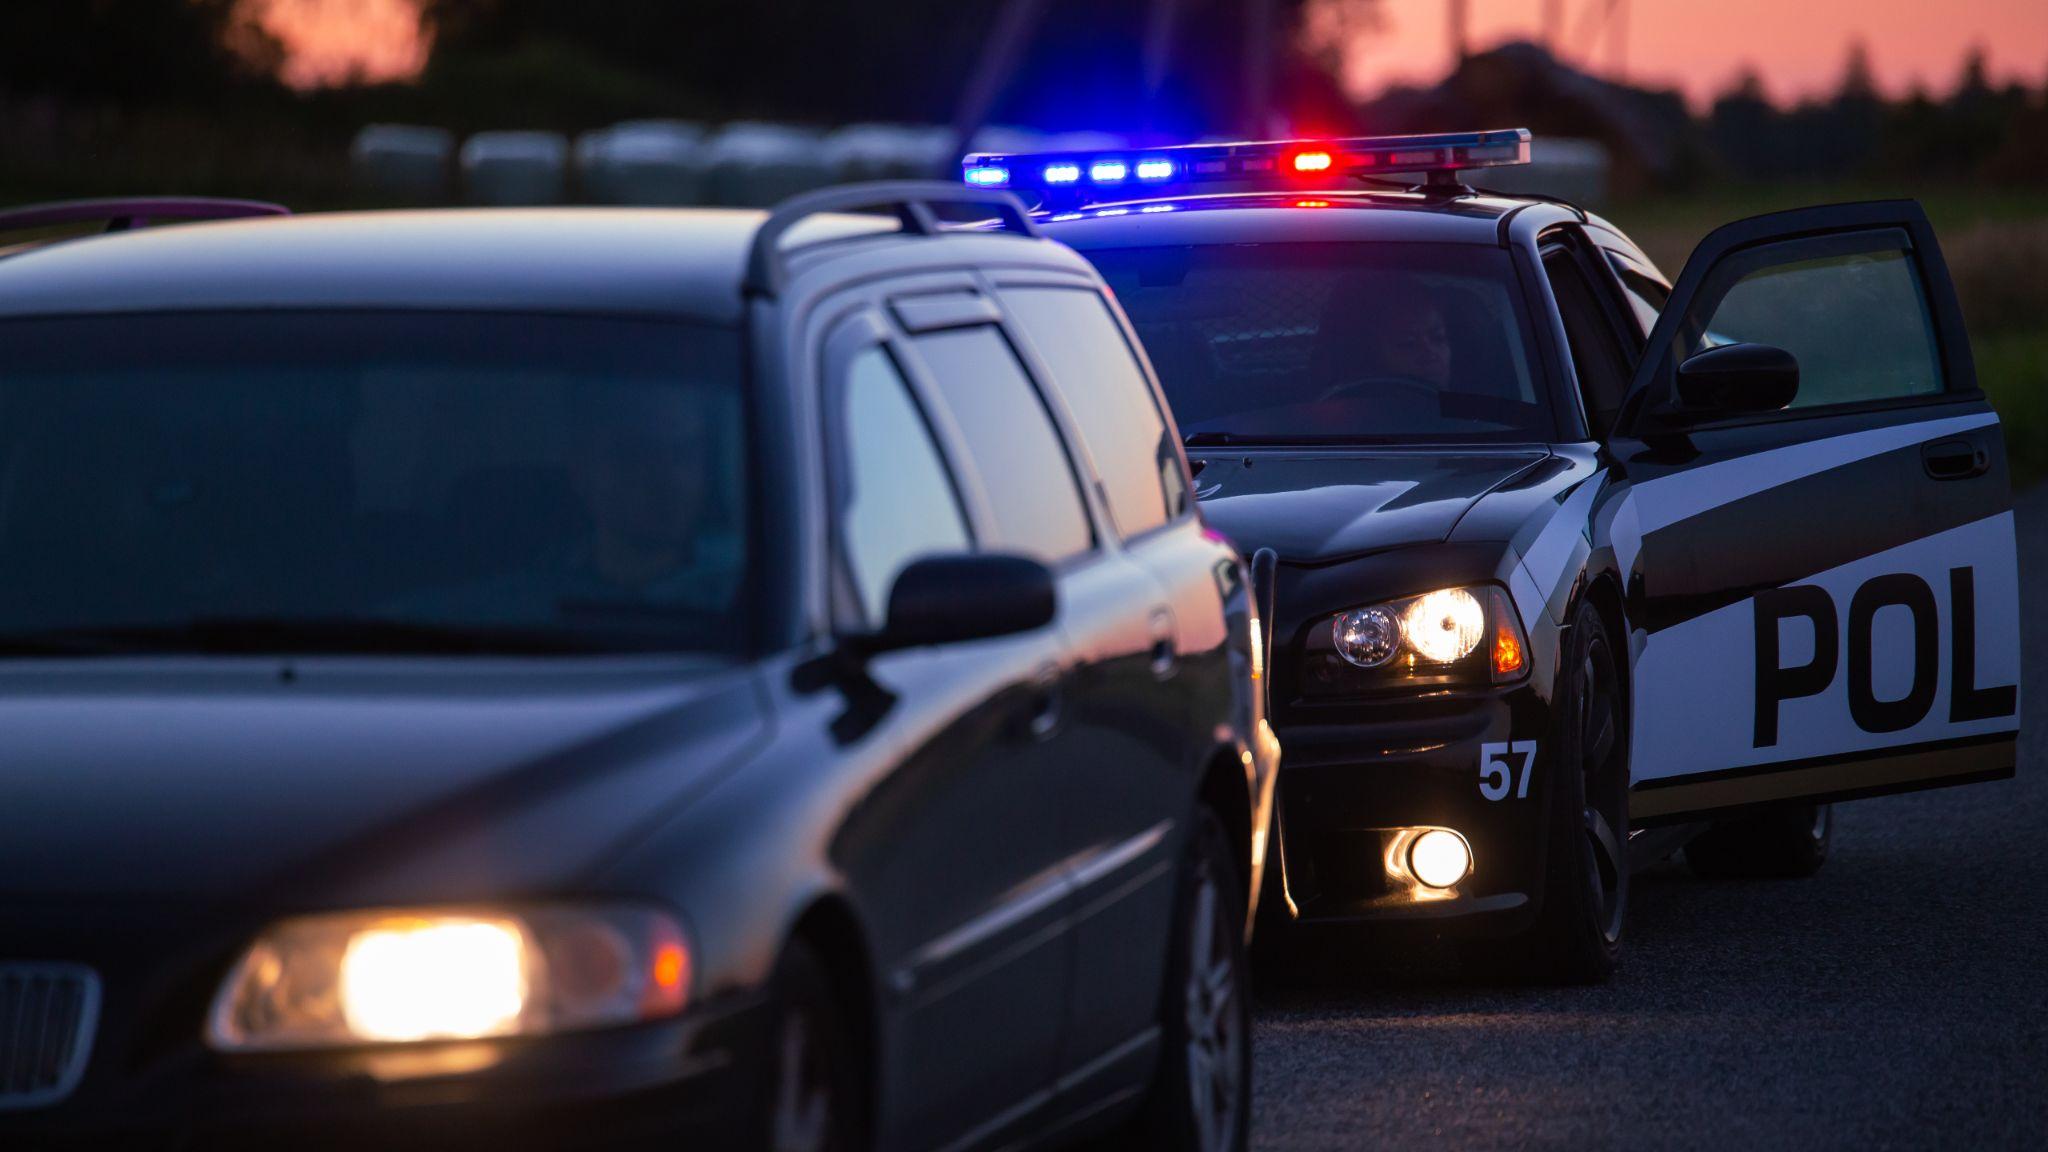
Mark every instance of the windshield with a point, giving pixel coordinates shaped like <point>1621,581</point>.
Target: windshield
<point>300,482</point>
<point>1343,342</point>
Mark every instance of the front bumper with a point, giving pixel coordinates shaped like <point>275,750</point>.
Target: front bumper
<point>695,1079</point>
<point>1356,775</point>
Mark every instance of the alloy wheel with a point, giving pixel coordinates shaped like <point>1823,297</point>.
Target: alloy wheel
<point>1215,1036</point>
<point>802,1118</point>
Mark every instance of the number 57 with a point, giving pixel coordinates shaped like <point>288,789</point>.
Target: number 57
<point>1499,766</point>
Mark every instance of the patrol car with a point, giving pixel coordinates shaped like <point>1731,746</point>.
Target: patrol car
<point>1571,564</point>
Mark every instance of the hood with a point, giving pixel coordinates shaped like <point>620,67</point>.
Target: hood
<point>346,781</point>
<point>1317,506</point>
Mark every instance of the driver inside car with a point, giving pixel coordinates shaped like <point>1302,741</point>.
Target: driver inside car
<point>1387,344</point>
<point>648,536</point>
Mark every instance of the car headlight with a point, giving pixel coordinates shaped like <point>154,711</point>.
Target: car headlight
<point>440,974</point>
<point>1450,637</point>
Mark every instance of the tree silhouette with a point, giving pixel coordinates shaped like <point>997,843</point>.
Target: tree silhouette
<point>133,51</point>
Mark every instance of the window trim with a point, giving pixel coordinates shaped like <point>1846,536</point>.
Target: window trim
<point>967,469</point>
<point>1564,242</point>
<point>1048,384</point>
<point>1626,272</point>
<point>1643,416</point>
<point>846,342</point>
<point>1732,268</point>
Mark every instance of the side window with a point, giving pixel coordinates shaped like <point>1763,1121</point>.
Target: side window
<point>897,501</point>
<point>1646,297</point>
<point>1016,450</point>
<point>1602,365</point>
<point>1098,376</point>
<point>1857,321</point>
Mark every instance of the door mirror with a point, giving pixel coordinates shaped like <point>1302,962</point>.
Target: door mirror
<point>970,596</point>
<point>1737,379</point>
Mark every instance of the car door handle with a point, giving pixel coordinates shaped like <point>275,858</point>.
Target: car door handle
<point>1048,705</point>
<point>1957,459</point>
<point>1165,653</point>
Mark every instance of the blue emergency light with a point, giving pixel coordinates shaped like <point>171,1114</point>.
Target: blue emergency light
<point>1266,163</point>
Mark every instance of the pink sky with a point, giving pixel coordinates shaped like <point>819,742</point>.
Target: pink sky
<point>1698,45</point>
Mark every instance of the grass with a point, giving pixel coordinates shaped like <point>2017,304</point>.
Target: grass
<point>1668,227</point>
<point>2013,368</point>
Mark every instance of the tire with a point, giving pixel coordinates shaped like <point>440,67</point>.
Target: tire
<point>1577,935</point>
<point>814,1100</point>
<point>1779,844</point>
<point>1201,1096</point>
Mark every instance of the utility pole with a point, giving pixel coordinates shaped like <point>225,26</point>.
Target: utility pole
<point>1460,46</point>
<point>1553,26</point>
<point>1258,68</point>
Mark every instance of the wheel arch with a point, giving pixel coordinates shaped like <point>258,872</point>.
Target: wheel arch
<point>830,927</point>
<point>1603,592</point>
<point>1226,789</point>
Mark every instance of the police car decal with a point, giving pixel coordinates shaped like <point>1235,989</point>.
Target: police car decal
<point>1906,653</point>
<point>1505,769</point>
<point>1663,502</point>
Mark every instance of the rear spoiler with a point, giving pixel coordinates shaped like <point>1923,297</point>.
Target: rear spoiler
<point>124,213</point>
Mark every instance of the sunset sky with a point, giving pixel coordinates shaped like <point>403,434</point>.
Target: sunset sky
<point>1699,45</point>
<point>335,41</point>
<point>1797,46</point>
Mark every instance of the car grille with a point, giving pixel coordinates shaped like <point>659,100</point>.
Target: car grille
<point>47,1015</point>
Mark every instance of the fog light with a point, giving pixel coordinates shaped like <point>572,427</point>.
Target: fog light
<point>1440,858</point>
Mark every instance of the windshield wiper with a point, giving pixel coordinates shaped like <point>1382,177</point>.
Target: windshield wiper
<point>294,635</point>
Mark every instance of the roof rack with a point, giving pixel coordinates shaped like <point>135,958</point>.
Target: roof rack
<point>127,212</point>
<point>910,200</point>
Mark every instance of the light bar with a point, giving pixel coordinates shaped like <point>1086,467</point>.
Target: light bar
<point>988,175</point>
<point>1280,164</point>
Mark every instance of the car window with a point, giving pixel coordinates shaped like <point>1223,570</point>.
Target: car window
<point>1370,343</point>
<point>1016,449</point>
<point>310,482</point>
<point>1096,373</point>
<point>1646,297</point>
<point>897,501</point>
<point>1858,324</point>
<point>1597,354</point>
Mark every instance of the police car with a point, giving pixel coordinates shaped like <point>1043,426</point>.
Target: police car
<point>1570,565</point>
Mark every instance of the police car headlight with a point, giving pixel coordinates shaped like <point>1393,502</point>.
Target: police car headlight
<point>421,975</point>
<point>1449,637</point>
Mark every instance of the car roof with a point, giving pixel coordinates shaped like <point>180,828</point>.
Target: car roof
<point>687,263</point>
<point>1281,217</point>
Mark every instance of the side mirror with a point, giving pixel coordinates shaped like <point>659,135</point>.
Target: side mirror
<point>1737,379</point>
<point>971,596</point>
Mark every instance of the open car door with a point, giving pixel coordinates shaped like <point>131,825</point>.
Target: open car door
<point>1824,593</point>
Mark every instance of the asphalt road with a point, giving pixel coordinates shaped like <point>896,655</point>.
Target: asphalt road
<point>1898,999</point>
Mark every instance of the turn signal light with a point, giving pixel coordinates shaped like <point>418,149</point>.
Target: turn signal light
<point>1508,657</point>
